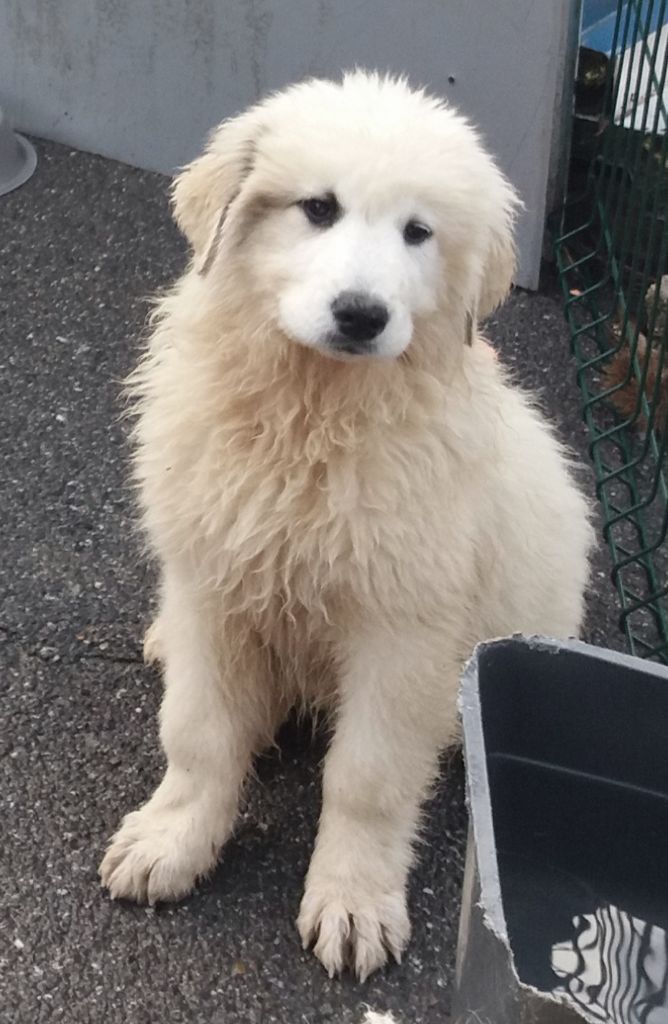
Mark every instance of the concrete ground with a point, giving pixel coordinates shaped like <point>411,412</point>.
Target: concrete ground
<point>81,247</point>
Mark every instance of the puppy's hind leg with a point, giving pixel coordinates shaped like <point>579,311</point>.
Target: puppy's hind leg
<point>398,708</point>
<point>152,648</point>
<point>215,715</point>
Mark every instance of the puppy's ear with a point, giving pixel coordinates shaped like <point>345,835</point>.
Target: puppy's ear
<point>470,327</point>
<point>203,191</point>
<point>501,256</point>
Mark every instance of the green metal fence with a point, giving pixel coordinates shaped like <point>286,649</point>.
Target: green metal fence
<point>611,245</point>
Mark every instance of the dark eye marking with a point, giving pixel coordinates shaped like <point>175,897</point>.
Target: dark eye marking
<point>415,233</point>
<point>321,211</point>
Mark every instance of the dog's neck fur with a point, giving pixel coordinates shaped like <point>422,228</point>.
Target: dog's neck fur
<point>281,387</point>
<point>271,387</point>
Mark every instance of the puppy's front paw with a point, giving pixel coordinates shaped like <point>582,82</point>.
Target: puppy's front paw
<point>157,855</point>
<point>351,925</point>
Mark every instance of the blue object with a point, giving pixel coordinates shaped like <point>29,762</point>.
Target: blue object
<point>599,16</point>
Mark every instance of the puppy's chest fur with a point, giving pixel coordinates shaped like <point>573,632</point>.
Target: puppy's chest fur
<point>282,533</point>
<point>294,519</point>
<point>313,504</point>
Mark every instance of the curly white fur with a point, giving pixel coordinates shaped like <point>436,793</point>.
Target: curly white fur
<point>335,532</point>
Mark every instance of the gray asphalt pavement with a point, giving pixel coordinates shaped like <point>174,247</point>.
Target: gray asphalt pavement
<point>82,245</point>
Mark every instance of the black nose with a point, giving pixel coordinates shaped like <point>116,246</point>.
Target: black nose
<point>359,318</point>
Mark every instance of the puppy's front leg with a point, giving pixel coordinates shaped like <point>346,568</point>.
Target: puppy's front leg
<point>215,714</point>
<point>397,710</point>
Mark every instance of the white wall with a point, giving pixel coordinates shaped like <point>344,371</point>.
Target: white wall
<point>144,80</point>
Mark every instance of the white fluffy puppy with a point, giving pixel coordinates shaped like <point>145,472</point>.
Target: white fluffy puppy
<point>342,489</point>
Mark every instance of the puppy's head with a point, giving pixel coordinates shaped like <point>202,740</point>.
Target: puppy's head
<point>353,212</point>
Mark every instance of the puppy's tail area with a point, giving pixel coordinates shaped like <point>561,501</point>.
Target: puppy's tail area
<point>153,644</point>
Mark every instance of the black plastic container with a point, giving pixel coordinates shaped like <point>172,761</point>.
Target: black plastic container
<point>565,907</point>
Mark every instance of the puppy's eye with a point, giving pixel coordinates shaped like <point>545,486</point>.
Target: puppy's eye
<point>416,233</point>
<point>322,211</point>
